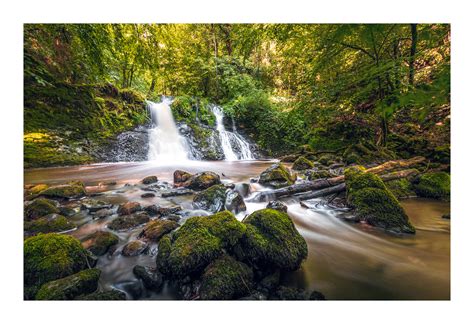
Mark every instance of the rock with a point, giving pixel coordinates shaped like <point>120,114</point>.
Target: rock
<point>40,207</point>
<point>434,185</point>
<point>271,241</point>
<point>319,174</point>
<point>129,221</point>
<point>277,205</point>
<point>149,180</point>
<point>289,293</point>
<point>212,199</point>
<point>70,287</point>
<point>174,218</point>
<point>48,224</point>
<point>176,192</point>
<point>94,205</point>
<point>151,278</point>
<point>148,195</point>
<point>289,158</point>
<point>100,242</point>
<point>400,188</point>
<point>155,229</point>
<point>197,243</point>
<point>48,257</point>
<point>226,278</point>
<point>302,163</point>
<point>67,211</point>
<point>180,177</point>
<point>152,210</point>
<point>134,248</point>
<point>102,213</point>
<point>203,180</point>
<point>270,282</point>
<point>166,211</point>
<point>113,294</point>
<point>374,203</point>
<point>37,189</point>
<point>234,202</point>
<point>243,189</point>
<point>277,176</point>
<point>327,159</point>
<point>129,208</point>
<point>74,189</point>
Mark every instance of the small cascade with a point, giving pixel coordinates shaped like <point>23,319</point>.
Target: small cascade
<point>166,145</point>
<point>235,147</point>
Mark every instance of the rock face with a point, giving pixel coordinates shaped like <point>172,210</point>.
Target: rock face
<point>226,278</point>
<point>434,185</point>
<point>48,224</point>
<point>277,176</point>
<point>74,189</point>
<point>70,287</point>
<point>40,207</point>
<point>211,199</point>
<point>203,180</point>
<point>155,229</point>
<point>302,163</point>
<point>134,248</point>
<point>129,208</point>
<point>374,203</point>
<point>100,242</point>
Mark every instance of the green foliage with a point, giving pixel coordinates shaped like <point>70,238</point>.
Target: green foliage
<point>434,185</point>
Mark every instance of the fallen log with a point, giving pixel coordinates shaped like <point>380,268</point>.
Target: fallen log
<point>321,193</point>
<point>399,174</point>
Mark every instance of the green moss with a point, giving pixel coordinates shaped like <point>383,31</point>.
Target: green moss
<point>48,224</point>
<point>37,189</point>
<point>401,188</point>
<point>226,278</point>
<point>155,229</point>
<point>100,242</point>
<point>74,189</point>
<point>277,176</point>
<point>434,185</point>
<point>204,180</point>
<point>129,221</point>
<point>51,256</point>
<point>40,207</point>
<point>302,163</point>
<point>320,174</point>
<point>195,244</point>
<point>326,159</point>
<point>272,241</point>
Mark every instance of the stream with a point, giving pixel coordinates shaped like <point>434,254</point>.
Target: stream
<point>345,260</point>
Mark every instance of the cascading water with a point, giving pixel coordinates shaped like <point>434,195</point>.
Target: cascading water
<point>231,139</point>
<point>166,145</point>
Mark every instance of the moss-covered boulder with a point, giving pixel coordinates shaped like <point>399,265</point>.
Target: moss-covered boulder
<point>155,229</point>
<point>317,174</point>
<point>49,257</point>
<point>212,199</point>
<point>203,180</point>
<point>197,243</point>
<point>129,221</point>
<point>302,163</point>
<point>401,188</point>
<point>70,287</point>
<point>37,189</point>
<point>134,248</point>
<point>434,185</point>
<point>149,180</point>
<point>100,242</point>
<point>113,294</point>
<point>73,189</point>
<point>277,176</point>
<point>226,278</point>
<point>272,241</point>
<point>40,207</point>
<point>52,223</point>
<point>128,208</point>
<point>374,203</point>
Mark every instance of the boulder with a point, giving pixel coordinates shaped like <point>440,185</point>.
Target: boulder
<point>277,176</point>
<point>302,163</point>
<point>73,189</point>
<point>203,180</point>
<point>155,229</point>
<point>40,207</point>
<point>226,278</point>
<point>434,185</point>
<point>277,205</point>
<point>176,192</point>
<point>149,180</point>
<point>94,205</point>
<point>180,177</point>
<point>128,221</point>
<point>271,241</point>
<point>234,202</point>
<point>134,248</point>
<point>151,278</point>
<point>37,189</point>
<point>70,287</point>
<point>212,199</point>
<point>113,294</point>
<point>48,224</point>
<point>100,242</point>
<point>102,213</point>
<point>148,195</point>
<point>197,243</point>
<point>317,174</point>
<point>129,208</point>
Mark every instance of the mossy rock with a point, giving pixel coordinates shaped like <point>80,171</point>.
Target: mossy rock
<point>37,189</point>
<point>212,199</point>
<point>129,221</point>
<point>74,189</point>
<point>70,287</point>
<point>40,207</point>
<point>52,256</point>
<point>104,295</point>
<point>272,241</point>
<point>401,188</point>
<point>129,207</point>
<point>151,278</point>
<point>134,248</point>
<point>156,229</point>
<point>48,224</point>
<point>327,159</point>
<point>277,176</point>
<point>197,243</point>
<point>226,278</point>
<point>434,185</point>
<point>302,163</point>
<point>100,242</point>
<point>203,180</point>
<point>317,174</point>
<point>374,203</point>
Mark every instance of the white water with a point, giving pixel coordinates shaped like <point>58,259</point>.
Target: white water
<point>229,138</point>
<point>166,145</point>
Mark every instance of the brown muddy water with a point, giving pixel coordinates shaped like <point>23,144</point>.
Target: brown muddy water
<point>345,261</point>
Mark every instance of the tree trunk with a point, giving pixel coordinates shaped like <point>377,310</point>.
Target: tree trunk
<point>414,39</point>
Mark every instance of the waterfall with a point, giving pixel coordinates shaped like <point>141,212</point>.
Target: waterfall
<point>231,140</point>
<point>166,145</point>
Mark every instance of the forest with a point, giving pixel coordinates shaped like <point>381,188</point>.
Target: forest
<point>237,161</point>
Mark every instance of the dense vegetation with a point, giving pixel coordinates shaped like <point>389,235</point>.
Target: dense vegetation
<point>323,87</point>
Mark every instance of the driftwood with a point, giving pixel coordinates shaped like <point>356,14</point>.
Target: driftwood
<point>324,187</point>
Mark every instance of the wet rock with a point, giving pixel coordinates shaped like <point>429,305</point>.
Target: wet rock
<point>180,177</point>
<point>68,288</point>
<point>94,205</point>
<point>302,163</point>
<point>40,207</point>
<point>148,195</point>
<point>234,202</point>
<point>174,218</point>
<point>149,180</point>
<point>243,189</point>
<point>166,211</point>
<point>102,213</point>
<point>152,210</point>
<point>133,288</point>
<point>203,180</point>
<point>67,211</point>
<point>176,192</point>
<point>151,278</point>
<point>74,189</point>
<point>113,294</point>
<point>155,229</point>
<point>49,224</point>
<point>129,208</point>
<point>99,242</point>
<point>212,199</point>
<point>134,248</point>
<point>129,221</point>
<point>277,205</point>
<point>277,176</point>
